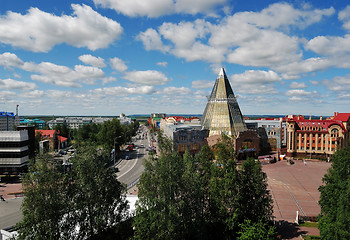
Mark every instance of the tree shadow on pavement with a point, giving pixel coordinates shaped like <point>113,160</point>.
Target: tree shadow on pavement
<point>288,230</point>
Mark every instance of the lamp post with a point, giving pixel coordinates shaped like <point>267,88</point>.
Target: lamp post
<point>114,149</point>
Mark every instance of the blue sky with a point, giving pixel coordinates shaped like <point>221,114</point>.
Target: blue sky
<point>106,57</point>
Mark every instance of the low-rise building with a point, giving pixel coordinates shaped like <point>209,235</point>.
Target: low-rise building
<point>185,133</point>
<point>40,124</point>
<point>51,136</point>
<point>273,132</point>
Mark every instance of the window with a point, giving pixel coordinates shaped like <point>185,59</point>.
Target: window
<point>182,138</point>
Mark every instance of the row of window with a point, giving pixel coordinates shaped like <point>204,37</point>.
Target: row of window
<point>183,147</point>
<point>13,155</point>
<point>14,144</point>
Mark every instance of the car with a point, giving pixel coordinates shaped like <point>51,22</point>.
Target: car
<point>127,157</point>
<point>142,145</point>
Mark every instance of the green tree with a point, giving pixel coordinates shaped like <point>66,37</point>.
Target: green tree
<point>111,132</point>
<point>334,200</point>
<point>256,231</point>
<point>96,195</point>
<point>253,193</point>
<point>159,210</point>
<point>44,205</point>
<point>82,202</point>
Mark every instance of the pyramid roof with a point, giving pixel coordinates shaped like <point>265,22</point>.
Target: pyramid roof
<point>222,114</point>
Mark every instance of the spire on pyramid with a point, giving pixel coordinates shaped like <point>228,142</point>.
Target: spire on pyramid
<point>222,114</point>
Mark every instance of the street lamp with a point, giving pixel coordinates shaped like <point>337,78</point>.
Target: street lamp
<point>114,149</point>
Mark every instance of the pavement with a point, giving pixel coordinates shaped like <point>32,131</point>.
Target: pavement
<point>295,188</point>
<point>10,207</point>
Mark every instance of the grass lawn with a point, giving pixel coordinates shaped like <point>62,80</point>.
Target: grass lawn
<point>309,224</point>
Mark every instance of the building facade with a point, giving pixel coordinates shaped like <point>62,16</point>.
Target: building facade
<point>8,121</point>
<point>40,124</point>
<point>185,133</point>
<point>317,138</point>
<point>76,122</point>
<point>273,132</point>
<point>14,151</point>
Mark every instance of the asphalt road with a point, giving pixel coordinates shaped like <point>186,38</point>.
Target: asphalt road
<point>10,212</point>
<point>130,170</point>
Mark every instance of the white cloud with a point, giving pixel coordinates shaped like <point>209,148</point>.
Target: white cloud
<point>184,34</point>
<point>93,61</point>
<point>8,60</point>
<point>118,64</point>
<point>33,94</point>
<point>57,94</point>
<point>14,84</point>
<point>246,38</point>
<point>175,91</point>
<point>344,16</point>
<point>64,76</point>
<point>162,64</point>
<point>255,77</point>
<point>157,8</point>
<point>201,84</point>
<point>255,82</point>
<point>292,70</point>
<point>149,77</point>
<point>297,85</point>
<point>284,15</point>
<point>123,90</point>
<point>4,95</point>
<point>39,31</point>
<point>152,40</point>
<point>299,92</point>
<point>328,45</point>
<point>340,83</point>
<point>268,48</point>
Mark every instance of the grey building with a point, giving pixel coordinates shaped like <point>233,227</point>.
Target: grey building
<point>14,151</point>
<point>186,136</point>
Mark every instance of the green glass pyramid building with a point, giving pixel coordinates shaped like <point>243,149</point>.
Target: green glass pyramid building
<point>222,114</point>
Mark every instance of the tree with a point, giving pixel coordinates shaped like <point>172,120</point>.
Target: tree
<point>253,193</point>
<point>79,203</point>
<point>96,195</point>
<point>334,200</point>
<point>158,214</point>
<point>44,205</point>
<point>196,198</point>
<point>256,231</point>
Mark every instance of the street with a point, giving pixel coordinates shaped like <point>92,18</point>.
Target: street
<point>130,170</point>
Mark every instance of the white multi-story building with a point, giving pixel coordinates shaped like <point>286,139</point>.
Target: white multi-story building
<point>14,150</point>
<point>76,122</point>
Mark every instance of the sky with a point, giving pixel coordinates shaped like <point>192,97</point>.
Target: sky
<point>107,57</point>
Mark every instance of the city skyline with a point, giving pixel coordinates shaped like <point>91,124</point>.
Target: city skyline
<point>105,57</point>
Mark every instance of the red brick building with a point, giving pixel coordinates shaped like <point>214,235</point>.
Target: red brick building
<point>317,138</point>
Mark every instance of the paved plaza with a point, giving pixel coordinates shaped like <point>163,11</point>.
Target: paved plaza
<point>295,188</point>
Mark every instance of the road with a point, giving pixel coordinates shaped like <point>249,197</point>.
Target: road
<point>10,213</point>
<point>130,170</point>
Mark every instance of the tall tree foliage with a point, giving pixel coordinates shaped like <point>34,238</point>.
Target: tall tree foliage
<point>160,202</point>
<point>44,205</point>
<point>334,200</point>
<point>194,197</point>
<point>110,134</point>
<point>83,202</point>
